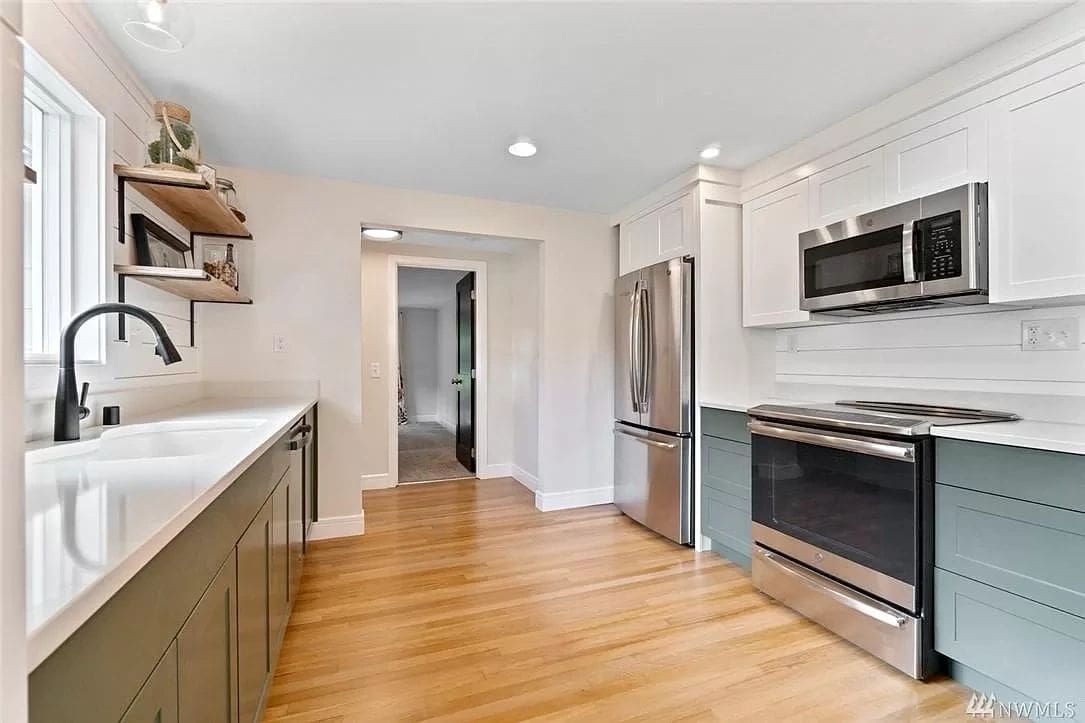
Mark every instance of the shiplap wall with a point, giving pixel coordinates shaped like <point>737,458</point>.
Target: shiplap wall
<point>957,355</point>
<point>65,36</point>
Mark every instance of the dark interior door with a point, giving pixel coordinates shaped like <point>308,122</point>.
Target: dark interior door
<point>465,371</point>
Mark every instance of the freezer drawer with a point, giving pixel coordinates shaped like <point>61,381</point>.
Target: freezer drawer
<point>652,480</point>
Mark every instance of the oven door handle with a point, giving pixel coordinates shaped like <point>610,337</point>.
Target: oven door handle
<point>882,613</point>
<point>902,451</point>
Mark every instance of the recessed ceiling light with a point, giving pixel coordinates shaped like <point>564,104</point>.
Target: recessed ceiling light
<point>382,234</point>
<point>523,148</point>
<point>712,151</point>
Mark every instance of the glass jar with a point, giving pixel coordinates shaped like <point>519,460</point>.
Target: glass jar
<point>173,144</point>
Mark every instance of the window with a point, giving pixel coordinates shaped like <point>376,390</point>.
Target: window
<point>63,212</point>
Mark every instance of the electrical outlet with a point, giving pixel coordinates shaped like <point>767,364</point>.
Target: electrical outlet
<point>278,344</point>
<point>1051,334</point>
<point>374,370</point>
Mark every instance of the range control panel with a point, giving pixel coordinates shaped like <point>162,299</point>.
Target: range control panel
<point>939,240</point>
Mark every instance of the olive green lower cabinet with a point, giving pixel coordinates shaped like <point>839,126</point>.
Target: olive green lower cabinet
<point>725,484</point>
<point>194,636</point>
<point>1009,580</point>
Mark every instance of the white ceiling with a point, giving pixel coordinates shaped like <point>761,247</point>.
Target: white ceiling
<point>427,288</point>
<point>619,96</point>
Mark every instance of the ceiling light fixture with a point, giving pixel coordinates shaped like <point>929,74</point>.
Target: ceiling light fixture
<point>381,234</point>
<point>712,151</point>
<point>159,25</point>
<point>523,148</point>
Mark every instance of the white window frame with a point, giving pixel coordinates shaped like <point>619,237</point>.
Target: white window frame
<point>72,188</point>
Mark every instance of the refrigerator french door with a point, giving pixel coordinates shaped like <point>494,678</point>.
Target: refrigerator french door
<point>653,446</point>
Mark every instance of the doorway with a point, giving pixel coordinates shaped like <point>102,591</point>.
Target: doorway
<point>437,370</point>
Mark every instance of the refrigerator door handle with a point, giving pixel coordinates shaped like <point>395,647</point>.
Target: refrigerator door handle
<point>634,344</point>
<point>646,347</point>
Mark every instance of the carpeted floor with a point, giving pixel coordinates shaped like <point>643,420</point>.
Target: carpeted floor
<point>427,452</point>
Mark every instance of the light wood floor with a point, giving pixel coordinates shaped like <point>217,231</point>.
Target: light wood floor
<point>463,603</point>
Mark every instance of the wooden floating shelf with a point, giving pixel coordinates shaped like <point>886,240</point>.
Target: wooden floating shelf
<point>191,284</point>
<point>187,198</point>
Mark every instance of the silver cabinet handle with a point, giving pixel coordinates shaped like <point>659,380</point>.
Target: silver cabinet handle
<point>646,440</point>
<point>902,451</point>
<point>883,614</point>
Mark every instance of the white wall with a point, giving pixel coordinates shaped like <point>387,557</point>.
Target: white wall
<point>512,354</point>
<point>418,360</point>
<point>306,284</point>
<point>68,40</point>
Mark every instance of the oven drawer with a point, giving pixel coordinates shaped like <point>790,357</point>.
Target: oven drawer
<point>1033,550</point>
<point>725,466</point>
<point>725,425</point>
<point>1024,645</point>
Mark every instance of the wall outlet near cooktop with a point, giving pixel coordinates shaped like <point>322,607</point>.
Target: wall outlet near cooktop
<point>1051,334</point>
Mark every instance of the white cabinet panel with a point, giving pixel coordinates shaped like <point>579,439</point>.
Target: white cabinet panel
<point>847,189</point>
<point>664,233</point>
<point>1037,190</point>
<point>947,154</point>
<point>771,226</point>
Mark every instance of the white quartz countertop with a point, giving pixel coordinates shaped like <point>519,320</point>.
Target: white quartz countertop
<point>93,521</point>
<point>1051,436</point>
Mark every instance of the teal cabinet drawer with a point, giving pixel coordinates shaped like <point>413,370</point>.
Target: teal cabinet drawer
<point>725,466</point>
<point>726,519</point>
<point>1033,550</point>
<point>726,425</point>
<point>1024,645</point>
<point>1050,478</point>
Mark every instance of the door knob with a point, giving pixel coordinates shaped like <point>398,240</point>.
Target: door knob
<point>457,380</point>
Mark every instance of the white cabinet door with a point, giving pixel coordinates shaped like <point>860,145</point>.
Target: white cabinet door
<point>847,189</point>
<point>664,233</point>
<point>1037,190</point>
<point>771,226</point>
<point>945,155</point>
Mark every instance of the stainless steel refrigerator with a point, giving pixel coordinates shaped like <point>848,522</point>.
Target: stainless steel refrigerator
<point>653,408</point>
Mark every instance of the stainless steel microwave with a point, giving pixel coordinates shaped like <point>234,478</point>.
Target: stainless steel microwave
<point>931,251</point>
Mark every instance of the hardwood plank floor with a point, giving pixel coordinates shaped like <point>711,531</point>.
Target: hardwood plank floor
<point>464,603</point>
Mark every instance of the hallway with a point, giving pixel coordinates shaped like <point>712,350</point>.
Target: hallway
<point>427,452</point>
<point>463,602</point>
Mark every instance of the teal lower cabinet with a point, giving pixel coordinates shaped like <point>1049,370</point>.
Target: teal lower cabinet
<point>1009,582</point>
<point>725,484</point>
<point>193,637</point>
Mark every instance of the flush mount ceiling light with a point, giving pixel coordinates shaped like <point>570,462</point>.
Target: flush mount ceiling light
<point>381,234</point>
<point>523,148</point>
<point>159,25</point>
<point>712,151</point>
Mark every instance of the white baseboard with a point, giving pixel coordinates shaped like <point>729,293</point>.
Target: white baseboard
<point>379,481</point>
<point>333,527</point>
<point>550,501</point>
<point>524,477</point>
<point>449,426</point>
<point>425,418</point>
<point>491,471</point>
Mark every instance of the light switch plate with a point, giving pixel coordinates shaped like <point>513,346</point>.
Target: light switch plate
<point>374,370</point>
<point>1051,334</point>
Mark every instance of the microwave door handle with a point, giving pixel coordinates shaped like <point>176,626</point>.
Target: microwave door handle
<point>907,252</point>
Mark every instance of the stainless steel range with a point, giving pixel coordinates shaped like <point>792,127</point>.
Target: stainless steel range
<point>843,499</point>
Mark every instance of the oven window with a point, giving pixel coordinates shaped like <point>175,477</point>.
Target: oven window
<point>870,261</point>
<point>858,506</point>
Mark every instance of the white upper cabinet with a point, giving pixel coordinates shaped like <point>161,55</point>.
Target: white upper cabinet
<point>941,156</point>
<point>847,189</point>
<point>1037,190</point>
<point>771,225</point>
<point>667,232</point>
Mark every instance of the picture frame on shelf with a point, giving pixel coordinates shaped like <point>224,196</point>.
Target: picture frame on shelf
<point>155,246</point>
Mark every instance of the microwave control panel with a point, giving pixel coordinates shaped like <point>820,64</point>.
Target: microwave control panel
<point>940,239</point>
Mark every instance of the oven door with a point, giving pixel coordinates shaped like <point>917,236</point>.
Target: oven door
<point>843,504</point>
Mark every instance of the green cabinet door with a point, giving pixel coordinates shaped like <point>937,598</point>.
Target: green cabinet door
<point>253,622</point>
<point>294,482</point>
<point>280,561</point>
<point>156,701</point>
<point>207,653</point>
